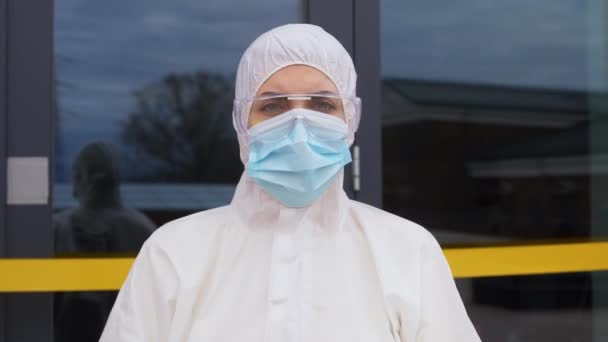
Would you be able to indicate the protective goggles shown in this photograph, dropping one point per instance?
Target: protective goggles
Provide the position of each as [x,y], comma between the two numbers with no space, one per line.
[262,108]
[319,126]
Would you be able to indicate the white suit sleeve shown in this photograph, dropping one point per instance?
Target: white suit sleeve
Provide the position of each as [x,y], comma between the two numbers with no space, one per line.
[443,315]
[144,307]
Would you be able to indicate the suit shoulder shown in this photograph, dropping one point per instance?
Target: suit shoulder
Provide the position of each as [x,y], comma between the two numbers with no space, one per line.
[195,226]
[395,227]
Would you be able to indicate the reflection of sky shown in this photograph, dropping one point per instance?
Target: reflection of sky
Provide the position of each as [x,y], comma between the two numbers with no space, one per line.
[542,43]
[107,49]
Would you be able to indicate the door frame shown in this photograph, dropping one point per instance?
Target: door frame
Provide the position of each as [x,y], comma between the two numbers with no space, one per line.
[357,27]
[26,63]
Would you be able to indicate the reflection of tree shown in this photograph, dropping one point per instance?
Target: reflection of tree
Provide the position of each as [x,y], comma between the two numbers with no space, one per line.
[183,125]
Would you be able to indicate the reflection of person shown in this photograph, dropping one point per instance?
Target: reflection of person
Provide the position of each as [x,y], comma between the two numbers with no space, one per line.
[100,225]
[291,258]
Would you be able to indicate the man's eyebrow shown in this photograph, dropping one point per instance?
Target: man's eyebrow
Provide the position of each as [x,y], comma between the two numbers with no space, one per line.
[268,93]
[320,92]
[325,92]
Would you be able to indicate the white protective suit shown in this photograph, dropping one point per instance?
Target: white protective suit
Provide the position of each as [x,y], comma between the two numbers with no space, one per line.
[255,270]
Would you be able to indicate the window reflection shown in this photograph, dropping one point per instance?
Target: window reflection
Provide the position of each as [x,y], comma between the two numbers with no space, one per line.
[488,163]
[149,84]
[101,225]
[487,118]
[493,124]
[155,79]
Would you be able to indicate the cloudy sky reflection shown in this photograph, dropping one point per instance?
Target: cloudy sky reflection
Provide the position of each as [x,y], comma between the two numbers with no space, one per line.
[107,49]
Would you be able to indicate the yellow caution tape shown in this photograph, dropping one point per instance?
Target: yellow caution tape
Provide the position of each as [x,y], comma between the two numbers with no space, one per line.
[79,274]
[90,274]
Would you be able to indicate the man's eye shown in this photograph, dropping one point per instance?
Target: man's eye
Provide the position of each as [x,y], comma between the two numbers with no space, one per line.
[272,108]
[324,106]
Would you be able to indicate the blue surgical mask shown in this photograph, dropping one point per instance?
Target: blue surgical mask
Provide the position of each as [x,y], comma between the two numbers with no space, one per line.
[296,156]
